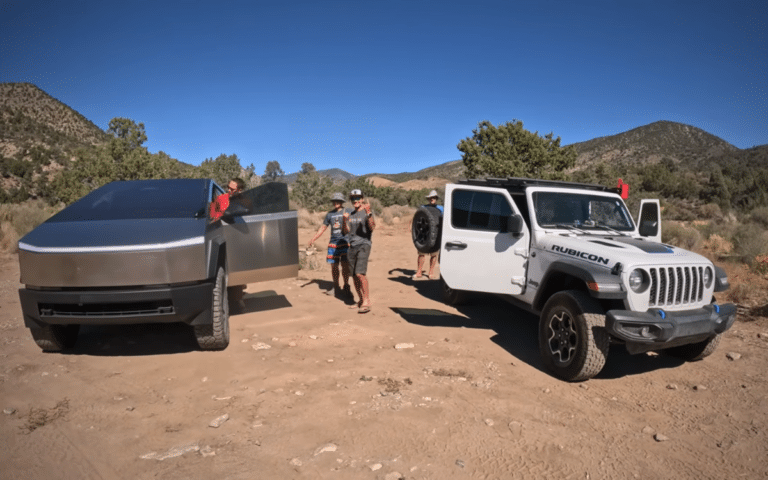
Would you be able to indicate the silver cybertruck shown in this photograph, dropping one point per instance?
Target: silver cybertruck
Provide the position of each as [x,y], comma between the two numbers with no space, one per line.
[147,251]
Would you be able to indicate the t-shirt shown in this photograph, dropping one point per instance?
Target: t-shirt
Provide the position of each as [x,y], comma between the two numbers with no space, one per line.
[334,219]
[219,205]
[439,207]
[359,233]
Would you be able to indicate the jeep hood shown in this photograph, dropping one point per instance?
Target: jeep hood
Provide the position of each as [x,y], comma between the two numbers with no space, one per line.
[607,250]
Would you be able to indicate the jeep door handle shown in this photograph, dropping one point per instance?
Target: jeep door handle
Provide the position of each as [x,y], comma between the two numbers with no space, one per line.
[458,245]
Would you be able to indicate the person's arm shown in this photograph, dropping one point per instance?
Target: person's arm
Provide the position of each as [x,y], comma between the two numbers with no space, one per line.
[317,235]
[369,216]
[345,223]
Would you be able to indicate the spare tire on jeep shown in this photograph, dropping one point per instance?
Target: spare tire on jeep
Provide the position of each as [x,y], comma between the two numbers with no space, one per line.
[426,229]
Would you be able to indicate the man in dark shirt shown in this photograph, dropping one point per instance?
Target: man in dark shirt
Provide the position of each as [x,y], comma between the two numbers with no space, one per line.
[337,247]
[432,198]
[358,226]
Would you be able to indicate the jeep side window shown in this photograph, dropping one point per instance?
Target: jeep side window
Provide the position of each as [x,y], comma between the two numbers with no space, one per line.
[479,211]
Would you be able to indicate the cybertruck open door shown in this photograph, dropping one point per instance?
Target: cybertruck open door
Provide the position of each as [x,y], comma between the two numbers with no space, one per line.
[261,235]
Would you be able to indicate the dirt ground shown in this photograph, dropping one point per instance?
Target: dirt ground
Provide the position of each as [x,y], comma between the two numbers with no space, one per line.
[310,389]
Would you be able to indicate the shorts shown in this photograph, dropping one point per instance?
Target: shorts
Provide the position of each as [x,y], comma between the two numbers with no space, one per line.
[358,258]
[433,254]
[337,253]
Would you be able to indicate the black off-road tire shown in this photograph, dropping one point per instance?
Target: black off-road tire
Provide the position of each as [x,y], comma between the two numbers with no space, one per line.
[695,351]
[426,229]
[216,335]
[453,297]
[55,338]
[573,341]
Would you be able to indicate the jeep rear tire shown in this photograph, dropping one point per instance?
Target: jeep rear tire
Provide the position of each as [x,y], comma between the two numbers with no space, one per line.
[215,336]
[55,338]
[450,296]
[695,351]
[426,229]
[573,341]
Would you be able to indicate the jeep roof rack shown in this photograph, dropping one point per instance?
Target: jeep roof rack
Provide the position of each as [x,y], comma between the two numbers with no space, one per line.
[520,183]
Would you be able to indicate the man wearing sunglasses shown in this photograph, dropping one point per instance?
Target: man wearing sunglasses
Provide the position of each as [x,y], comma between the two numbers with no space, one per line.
[358,226]
[234,187]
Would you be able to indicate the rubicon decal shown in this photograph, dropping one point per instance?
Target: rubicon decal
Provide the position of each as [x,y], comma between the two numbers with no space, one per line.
[585,255]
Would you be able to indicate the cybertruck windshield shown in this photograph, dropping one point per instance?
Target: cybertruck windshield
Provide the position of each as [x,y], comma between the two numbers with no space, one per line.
[140,199]
[582,211]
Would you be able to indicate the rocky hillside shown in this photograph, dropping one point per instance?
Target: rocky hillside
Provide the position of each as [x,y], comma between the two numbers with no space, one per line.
[651,143]
[29,115]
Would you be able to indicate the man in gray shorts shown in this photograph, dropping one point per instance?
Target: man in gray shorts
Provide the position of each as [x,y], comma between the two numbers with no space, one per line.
[358,226]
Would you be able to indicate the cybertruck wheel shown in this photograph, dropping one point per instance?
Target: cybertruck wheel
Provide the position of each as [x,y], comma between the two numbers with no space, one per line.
[572,339]
[216,335]
[55,338]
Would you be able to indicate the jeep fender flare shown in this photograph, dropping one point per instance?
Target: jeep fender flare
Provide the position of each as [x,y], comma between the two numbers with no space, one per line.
[558,269]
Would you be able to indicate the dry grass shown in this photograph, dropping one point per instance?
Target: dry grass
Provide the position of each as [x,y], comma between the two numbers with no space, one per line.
[19,219]
[396,215]
[309,219]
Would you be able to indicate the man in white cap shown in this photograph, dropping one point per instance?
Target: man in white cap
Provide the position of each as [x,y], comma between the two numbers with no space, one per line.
[337,247]
[432,199]
[359,225]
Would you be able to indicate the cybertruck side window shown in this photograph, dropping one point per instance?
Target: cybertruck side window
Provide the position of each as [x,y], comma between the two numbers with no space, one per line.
[472,210]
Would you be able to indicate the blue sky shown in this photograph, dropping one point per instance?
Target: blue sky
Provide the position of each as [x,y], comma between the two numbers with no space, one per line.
[390,86]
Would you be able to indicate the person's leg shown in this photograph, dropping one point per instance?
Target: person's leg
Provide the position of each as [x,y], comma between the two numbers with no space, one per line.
[352,259]
[361,269]
[335,275]
[365,301]
[432,264]
[345,274]
[419,265]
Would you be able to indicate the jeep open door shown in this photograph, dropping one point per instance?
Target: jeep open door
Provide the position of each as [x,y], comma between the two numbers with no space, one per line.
[485,241]
[649,220]
[261,234]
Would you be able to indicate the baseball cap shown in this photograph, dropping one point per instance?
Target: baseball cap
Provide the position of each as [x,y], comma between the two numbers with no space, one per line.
[355,193]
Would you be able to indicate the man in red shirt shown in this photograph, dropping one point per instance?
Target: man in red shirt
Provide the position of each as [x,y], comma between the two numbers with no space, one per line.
[221,203]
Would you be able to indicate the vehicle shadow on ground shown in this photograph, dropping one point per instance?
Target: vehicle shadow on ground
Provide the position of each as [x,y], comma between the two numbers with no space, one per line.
[517,330]
[264,301]
[158,338]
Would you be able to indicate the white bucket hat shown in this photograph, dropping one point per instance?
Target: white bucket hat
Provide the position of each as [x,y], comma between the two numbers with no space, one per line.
[433,193]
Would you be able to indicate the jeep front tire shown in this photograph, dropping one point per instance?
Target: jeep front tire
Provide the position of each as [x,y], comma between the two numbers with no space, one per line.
[573,341]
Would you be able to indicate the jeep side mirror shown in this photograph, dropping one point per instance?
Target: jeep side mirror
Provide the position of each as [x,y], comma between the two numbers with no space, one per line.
[515,225]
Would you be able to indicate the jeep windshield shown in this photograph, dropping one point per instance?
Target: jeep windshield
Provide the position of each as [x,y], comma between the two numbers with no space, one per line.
[572,211]
[140,199]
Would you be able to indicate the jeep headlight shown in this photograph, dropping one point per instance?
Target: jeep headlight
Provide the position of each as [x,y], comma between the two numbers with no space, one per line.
[637,280]
[708,277]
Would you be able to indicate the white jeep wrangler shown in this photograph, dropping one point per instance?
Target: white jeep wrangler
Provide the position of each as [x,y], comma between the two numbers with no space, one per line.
[572,254]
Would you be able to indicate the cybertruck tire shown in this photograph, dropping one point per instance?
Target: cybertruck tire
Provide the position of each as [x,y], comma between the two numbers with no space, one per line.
[216,335]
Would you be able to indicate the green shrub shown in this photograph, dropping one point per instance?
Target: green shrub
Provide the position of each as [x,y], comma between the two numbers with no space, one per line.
[749,241]
[675,233]
[760,216]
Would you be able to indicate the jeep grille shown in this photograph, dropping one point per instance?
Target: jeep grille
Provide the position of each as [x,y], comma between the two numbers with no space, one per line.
[671,286]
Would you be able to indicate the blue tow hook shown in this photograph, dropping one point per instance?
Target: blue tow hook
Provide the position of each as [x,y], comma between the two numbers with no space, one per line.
[662,314]
[717,307]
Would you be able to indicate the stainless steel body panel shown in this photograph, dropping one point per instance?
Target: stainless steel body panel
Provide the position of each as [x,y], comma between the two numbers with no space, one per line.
[262,247]
[114,269]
